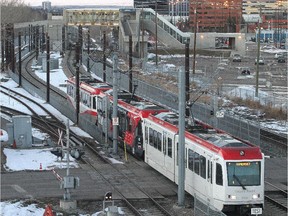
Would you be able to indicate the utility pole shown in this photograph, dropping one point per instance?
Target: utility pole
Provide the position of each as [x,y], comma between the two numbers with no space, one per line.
[181,135]
[115,103]
[77,82]
[104,56]
[12,49]
[80,41]
[258,54]
[37,41]
[156,35]
[194,44]
[63,40]
[2,47]
[187,70]
[48,68]
[19,59]
[130,64]
[88,51]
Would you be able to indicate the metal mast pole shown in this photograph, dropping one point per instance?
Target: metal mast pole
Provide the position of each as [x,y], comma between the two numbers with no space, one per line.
[258,55]
[19,59]
[104,56]
[115,103]
[63,40]
[187,81]
[88,51]
[77,82]
[48,68]
[181,134]
[194,45]
[156,36]
[2,47]
[67,195]
[130,64]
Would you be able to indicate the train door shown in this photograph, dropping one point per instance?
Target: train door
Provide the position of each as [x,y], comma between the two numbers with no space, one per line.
[209,194]
[168,162]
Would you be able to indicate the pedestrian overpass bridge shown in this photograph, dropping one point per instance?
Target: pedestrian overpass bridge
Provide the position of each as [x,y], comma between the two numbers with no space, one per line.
[134,22]
[131,22]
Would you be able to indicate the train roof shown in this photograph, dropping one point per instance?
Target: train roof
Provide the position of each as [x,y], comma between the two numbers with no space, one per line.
[205,135]
[91,85]
[135,101]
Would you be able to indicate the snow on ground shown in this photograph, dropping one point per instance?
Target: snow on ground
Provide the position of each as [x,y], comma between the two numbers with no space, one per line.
[19,208]
[35,159]
[16,208]
[30,159]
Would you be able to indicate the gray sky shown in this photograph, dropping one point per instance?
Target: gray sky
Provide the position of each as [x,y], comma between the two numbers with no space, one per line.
[82,2]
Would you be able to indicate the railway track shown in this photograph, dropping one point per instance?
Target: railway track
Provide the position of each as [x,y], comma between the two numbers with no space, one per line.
[115,180]
[275,200]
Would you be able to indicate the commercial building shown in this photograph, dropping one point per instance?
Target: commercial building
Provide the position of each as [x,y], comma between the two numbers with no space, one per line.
[216,15]
[227,15]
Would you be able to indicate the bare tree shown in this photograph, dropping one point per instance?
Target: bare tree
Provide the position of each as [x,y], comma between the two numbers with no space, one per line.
[16,11]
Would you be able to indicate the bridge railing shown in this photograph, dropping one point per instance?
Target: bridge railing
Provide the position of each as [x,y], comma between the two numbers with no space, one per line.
[168,27]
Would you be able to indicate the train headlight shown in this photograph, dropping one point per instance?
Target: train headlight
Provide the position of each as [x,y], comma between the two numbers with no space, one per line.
[256,196]
[233,197]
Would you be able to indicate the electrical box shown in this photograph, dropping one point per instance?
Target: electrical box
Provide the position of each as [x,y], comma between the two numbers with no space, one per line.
[70,182]
[22,130]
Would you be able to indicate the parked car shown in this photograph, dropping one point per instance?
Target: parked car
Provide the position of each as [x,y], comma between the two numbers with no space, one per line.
[236,58]
[277,55]
[245,71]
[281,59]
[261,61]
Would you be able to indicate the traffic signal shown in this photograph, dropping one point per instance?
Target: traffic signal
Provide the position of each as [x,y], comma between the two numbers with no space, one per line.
[108,196]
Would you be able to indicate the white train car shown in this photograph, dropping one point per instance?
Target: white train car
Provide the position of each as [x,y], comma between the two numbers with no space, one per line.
[89,92]
[225,172]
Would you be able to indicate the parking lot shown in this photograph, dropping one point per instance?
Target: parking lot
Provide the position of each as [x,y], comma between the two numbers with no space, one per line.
[272,75]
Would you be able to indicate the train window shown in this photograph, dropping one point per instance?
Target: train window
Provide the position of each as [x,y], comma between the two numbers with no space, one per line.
[209,171]
[164,143]
[185,157]
[219,174]
[170,147]
[146,134]
[244,173]
[196,163]
[155,138]
[190,159]
[203,166]
[94,103]
[177,147]
[99,104]
[150,136]
[211,165]
[159,141]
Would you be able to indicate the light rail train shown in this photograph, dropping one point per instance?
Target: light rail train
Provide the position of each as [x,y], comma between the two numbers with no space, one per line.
[222,170]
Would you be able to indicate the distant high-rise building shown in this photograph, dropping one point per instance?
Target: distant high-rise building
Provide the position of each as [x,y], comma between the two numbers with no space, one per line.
[46,5]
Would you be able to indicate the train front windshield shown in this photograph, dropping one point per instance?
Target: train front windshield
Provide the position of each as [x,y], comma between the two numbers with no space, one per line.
[244,173]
